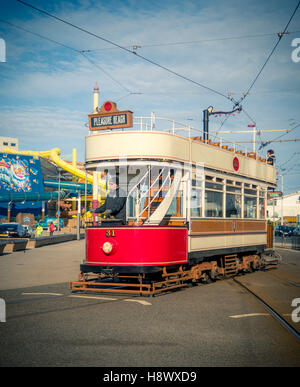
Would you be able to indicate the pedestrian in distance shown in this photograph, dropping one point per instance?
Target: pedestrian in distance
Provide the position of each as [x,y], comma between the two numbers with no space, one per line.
[271,157]
[51,228]
[39,230]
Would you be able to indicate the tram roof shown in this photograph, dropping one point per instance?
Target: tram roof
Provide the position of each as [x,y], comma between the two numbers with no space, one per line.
[175,142]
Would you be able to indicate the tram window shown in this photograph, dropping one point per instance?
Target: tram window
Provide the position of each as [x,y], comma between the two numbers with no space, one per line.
[262,208]
[213,204]
[233,205]
[173,207]
[130,206]
[176,206]
[238,183]
[214,186]
[233,189]
[249,207]
[250,192]
[196,200]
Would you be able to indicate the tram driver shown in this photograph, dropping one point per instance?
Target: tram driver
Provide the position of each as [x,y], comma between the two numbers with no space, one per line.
[114,206]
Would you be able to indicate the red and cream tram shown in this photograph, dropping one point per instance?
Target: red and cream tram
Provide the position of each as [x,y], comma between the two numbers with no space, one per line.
[195,209]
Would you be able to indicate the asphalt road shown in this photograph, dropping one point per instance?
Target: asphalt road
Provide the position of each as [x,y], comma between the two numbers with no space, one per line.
[218,324]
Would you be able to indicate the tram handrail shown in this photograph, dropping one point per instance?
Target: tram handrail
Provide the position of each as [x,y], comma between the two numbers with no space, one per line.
[154,197]
[139,199]
[140,121]
[163,207]
[133,188]
[152,124]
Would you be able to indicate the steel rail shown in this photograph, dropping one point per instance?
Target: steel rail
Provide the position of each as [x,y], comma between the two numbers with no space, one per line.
[273,312]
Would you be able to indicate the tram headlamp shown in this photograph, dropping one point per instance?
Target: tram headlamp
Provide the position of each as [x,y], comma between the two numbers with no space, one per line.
[107,248]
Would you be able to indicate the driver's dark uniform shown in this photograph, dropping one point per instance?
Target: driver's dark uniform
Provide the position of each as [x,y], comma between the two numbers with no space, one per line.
[116,202]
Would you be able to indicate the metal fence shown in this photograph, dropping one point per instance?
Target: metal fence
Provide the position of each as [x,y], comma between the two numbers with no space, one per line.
[289,242]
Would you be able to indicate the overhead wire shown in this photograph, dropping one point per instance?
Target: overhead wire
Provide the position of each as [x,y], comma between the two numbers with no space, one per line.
[245,94]
[124,49]
[236,103]
[275,139]
[70,48]
[101,68]
[193,41]
[39,35]
[161,66]
[280,35]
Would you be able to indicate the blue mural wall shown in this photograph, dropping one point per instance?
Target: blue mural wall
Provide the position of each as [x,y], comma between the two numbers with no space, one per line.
[20,173]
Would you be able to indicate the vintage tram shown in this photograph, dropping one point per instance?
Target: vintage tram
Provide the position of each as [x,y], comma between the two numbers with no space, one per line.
[195,209]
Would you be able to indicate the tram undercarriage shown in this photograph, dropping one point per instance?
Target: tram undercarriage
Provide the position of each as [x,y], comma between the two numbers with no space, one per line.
[150,284]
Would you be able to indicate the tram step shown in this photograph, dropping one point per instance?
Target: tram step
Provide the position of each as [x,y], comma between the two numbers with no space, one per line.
[230,265]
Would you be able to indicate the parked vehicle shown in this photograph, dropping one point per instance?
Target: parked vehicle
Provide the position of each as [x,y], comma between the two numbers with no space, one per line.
[284,230]
[29,231]
[12,230]
[296,231]
[46,221]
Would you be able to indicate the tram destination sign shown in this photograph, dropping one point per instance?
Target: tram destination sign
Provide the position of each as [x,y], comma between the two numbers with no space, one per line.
[103,121]
[109,117]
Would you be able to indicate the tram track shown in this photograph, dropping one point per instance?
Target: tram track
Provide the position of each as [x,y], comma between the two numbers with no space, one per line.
[272,310]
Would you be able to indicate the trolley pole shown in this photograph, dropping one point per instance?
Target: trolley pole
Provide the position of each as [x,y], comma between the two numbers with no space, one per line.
[58,203]
[205,124]
[208,112]
[281,199]
[78,215]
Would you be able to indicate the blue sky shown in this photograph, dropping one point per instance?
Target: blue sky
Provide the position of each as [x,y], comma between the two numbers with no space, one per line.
[46,89]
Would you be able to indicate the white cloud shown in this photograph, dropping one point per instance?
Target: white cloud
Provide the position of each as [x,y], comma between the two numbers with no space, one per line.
[43,128]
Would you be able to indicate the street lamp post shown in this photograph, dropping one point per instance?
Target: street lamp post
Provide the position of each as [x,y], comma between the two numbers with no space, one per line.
[281,210]
[281,199]
[58,199]
[58,204]
[78,215]
[254,135]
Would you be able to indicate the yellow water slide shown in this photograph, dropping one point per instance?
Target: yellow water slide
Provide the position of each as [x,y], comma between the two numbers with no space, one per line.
[53,154]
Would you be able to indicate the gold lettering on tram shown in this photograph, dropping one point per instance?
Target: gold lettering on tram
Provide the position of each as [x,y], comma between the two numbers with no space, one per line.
[110,233]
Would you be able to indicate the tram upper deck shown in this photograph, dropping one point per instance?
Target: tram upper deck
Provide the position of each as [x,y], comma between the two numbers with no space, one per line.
[148,142]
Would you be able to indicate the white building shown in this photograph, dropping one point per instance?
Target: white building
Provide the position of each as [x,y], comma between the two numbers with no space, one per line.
[286,208]
[9,141]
